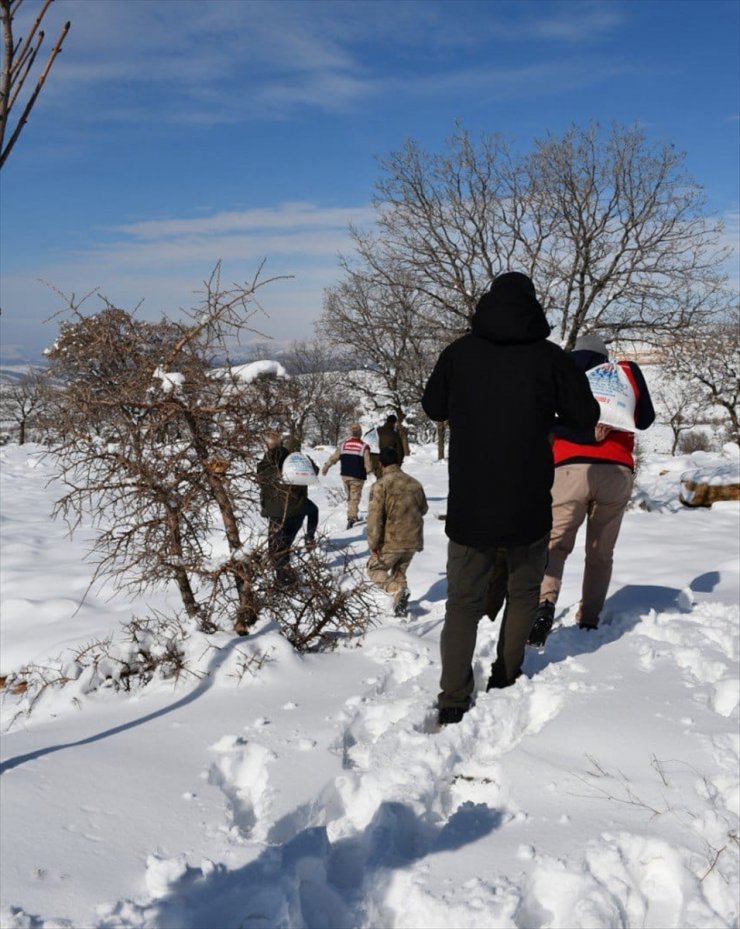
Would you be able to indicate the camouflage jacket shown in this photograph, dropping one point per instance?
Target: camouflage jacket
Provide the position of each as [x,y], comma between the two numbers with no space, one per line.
[395,516]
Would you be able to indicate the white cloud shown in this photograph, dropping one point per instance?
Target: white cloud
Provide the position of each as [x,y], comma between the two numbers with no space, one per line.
[578,23]
[230,61]
[164,262]
[287,216]
[509,83]
[294,233]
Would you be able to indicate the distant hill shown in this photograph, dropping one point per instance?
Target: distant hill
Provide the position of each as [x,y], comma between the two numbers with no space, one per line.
[11,373]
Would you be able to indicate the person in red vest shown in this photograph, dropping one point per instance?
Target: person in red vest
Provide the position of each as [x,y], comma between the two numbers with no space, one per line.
[594,473]
[354,455]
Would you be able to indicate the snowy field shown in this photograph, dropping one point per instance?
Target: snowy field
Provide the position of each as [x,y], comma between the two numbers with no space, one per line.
[599,791]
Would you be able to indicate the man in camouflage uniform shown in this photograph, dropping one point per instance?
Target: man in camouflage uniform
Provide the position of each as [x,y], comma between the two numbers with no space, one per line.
[395,528]
[354,455]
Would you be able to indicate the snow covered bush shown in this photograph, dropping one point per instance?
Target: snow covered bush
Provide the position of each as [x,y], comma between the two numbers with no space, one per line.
[160,436]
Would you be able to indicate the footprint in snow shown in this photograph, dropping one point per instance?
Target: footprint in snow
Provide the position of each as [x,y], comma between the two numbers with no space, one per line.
[241,772]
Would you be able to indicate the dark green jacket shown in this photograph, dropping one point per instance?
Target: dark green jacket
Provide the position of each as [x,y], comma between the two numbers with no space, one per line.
[278,500]
[388,437]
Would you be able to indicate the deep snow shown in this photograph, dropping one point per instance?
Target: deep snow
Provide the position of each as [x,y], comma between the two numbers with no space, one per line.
[602,790]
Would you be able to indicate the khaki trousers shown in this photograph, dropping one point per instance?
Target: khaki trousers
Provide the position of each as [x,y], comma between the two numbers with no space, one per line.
[599,494]
[353,488]
[388,570]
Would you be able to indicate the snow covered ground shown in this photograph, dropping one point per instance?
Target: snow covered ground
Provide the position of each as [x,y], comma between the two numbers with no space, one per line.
[602,790]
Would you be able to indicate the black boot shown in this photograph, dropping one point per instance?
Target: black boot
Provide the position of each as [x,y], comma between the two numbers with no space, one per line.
[448,715]
[401,606]
[543,620]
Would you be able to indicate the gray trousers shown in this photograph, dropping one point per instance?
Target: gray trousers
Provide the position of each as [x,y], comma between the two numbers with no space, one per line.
[470,576]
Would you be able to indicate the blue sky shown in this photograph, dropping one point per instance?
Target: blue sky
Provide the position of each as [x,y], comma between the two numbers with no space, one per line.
[174,133]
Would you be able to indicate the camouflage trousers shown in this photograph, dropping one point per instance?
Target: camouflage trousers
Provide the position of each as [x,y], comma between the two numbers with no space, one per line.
[353,488]
[388,570]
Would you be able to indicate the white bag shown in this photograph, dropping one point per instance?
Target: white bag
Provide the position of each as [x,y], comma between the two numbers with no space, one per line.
[298,471]
[612,388]
[371,437]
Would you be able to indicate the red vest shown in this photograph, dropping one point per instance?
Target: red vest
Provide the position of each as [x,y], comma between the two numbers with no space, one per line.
[616,448]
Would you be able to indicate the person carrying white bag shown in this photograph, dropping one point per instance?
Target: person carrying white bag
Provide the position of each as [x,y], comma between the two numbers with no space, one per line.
[283,480]
[300,470]
[594,475]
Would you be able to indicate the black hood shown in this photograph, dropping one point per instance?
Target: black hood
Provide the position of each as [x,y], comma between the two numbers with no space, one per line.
[510,312]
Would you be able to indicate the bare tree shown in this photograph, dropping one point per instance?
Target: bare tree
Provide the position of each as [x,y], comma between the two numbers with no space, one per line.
[160,450]
[379,317]
[709,359]
[312,367]
[678,400]
[23,402]
[339,409]
[609,226]
[19,57]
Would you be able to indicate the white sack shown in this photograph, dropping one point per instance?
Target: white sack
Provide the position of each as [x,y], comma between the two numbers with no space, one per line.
[612,388]
[298,470]
[371,437]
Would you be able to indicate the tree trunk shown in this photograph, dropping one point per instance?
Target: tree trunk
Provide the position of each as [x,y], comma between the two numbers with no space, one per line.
[404,436]
[245,613]
[732,411]
[441,430]
[181,575]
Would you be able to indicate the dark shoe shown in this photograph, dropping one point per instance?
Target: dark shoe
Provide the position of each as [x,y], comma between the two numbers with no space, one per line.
[450,714]
[350,523]
[310,544]
[583,624]
[586,622]
[285,578]
[543,620]
[401,606]
[241,628]
[495,682]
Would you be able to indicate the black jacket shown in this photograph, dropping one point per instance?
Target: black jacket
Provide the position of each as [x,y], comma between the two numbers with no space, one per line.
[501,387]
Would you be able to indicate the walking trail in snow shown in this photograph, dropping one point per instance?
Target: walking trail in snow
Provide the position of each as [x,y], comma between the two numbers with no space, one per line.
[601,790]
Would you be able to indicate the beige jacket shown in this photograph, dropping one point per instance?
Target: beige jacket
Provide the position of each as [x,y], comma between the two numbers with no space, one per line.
[395,516]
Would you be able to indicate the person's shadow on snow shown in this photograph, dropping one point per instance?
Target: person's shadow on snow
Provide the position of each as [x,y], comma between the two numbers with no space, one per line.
[622,612]
[309,880]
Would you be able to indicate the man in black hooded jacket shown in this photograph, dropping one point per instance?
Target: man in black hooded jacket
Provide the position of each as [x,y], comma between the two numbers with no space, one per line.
[500,387]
